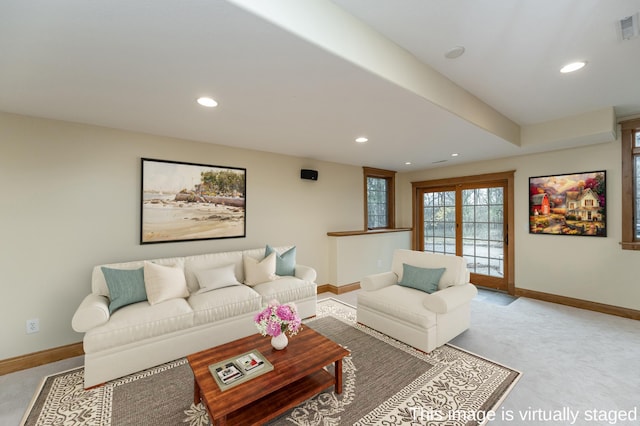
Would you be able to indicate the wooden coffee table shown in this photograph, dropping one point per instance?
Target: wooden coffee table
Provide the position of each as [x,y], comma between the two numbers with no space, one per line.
[298,374]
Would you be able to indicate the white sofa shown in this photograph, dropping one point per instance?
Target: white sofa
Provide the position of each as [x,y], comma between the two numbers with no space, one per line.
[420,319]
[141,335]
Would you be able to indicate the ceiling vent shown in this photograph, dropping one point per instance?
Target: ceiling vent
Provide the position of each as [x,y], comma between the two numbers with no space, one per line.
[629,27]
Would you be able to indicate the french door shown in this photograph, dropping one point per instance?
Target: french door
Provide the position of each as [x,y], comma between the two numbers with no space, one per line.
[469,218]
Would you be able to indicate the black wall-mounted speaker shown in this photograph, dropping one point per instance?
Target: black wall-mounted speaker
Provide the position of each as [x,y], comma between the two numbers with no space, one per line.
[309,174]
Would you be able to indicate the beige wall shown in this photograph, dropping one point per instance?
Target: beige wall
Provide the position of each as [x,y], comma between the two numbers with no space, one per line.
[587,268]
[70,194]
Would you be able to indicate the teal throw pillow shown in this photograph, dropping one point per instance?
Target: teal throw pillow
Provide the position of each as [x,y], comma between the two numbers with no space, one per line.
[126,286]
[285,262]
[423,279]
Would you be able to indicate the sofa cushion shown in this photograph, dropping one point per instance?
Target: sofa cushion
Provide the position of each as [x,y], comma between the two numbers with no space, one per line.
[224,303]
[259,271]
[285,261]
[423,279]
[211,260]
[214,278]
[137,322]
[164,283]
[286,289]
[401,303]
[126,286]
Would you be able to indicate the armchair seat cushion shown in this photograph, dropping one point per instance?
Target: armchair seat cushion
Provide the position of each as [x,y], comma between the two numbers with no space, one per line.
[402,303]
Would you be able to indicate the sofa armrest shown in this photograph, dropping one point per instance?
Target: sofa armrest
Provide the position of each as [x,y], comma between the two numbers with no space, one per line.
[306,273]
[92,312]
[448,299]
[378,281]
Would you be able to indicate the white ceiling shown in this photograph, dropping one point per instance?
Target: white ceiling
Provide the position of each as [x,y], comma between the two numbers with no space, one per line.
[140,65]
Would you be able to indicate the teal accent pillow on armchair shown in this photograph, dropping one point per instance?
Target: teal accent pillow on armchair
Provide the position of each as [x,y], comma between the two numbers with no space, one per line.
[285,262]
[423,279]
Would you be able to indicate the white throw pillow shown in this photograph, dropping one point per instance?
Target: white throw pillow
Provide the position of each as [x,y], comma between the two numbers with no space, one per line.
[211,279]
[259,271]
[164,283]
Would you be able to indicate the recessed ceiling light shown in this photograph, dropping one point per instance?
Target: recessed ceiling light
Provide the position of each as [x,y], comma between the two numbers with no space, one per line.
[362,139]
[454,52]
[207,102]
[574,66]
[407,163]
[455,154]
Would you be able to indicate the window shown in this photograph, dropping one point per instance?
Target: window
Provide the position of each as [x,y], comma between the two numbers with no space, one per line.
[377,202]
[631,184]
[379,198]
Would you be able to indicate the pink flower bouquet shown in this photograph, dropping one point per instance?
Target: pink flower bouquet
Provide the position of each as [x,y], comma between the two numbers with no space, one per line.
[276,319]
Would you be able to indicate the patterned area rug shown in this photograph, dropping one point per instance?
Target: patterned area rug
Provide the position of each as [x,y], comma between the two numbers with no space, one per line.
[385,382]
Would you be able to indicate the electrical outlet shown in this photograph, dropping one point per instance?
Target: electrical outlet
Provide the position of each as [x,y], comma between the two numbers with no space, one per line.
[33,325]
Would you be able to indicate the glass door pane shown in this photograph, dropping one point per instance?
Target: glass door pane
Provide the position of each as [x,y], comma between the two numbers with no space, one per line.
[483,230]
[439,221]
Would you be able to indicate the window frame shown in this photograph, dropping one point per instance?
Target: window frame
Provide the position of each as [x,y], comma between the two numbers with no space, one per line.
[389,176]
[629,129]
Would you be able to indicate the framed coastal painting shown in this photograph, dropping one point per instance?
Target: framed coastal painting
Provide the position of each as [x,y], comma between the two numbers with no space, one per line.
[569,204]
[187,201]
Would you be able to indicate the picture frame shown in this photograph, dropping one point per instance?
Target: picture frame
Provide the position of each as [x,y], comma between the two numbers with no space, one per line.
[182,201]
[568,204]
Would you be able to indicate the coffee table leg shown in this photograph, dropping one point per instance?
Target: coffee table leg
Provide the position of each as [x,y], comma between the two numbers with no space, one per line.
[338,374]
[196,393]
[222,421]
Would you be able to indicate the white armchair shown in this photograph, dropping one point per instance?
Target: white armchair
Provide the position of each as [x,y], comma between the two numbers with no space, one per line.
[420,319]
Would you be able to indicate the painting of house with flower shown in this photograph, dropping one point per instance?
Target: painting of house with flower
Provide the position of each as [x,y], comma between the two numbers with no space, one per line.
[571,204]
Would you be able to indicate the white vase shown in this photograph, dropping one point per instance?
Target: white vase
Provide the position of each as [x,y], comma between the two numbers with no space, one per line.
[279,342]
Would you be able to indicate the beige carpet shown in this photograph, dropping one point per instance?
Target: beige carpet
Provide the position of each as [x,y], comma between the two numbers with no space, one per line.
[385,382]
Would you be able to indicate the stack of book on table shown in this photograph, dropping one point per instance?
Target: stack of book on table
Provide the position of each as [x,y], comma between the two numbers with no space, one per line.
[233,371]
